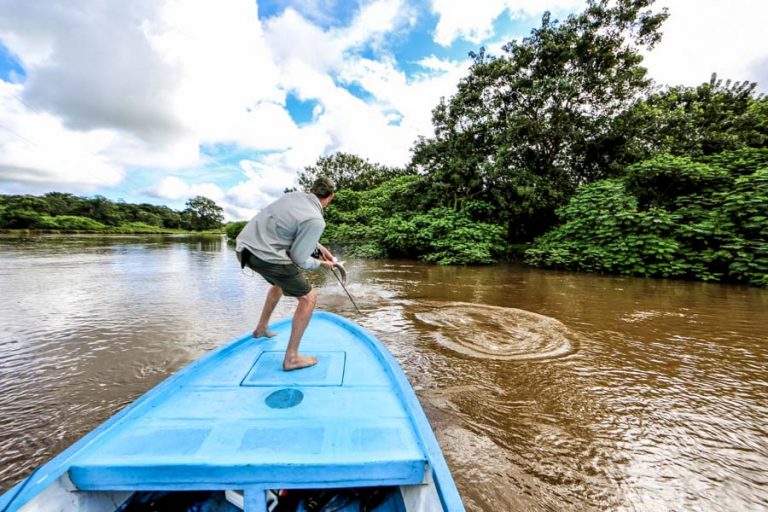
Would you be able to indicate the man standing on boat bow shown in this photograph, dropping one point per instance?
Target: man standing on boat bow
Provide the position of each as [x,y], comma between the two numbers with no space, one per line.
[277,244]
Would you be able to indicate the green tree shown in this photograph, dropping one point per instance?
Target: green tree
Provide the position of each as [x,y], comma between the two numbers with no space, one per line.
[203,213]
[349,172]
[16,218]
[104,211]
[713,117]
[149,217]
[26,202]
[232,229]
[60,203]
[669,217]
[525,128]
[171,218]
[386,221]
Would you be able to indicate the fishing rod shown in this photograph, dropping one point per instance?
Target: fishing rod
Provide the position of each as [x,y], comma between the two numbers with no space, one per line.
[336,264]
[344,273]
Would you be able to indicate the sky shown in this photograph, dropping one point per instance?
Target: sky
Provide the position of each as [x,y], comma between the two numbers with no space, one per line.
[157,101]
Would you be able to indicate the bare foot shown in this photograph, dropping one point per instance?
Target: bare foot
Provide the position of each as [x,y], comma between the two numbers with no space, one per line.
[298,361]
[263,333]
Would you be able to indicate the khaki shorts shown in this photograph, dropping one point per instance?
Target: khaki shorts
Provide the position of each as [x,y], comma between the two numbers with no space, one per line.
[286,277]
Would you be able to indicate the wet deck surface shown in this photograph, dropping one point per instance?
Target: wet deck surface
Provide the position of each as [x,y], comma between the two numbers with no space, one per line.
[239,419]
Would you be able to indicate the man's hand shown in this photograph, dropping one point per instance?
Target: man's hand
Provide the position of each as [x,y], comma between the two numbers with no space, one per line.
[325,254]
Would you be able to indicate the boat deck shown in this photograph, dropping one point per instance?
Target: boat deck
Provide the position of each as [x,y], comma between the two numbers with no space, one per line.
[235,419]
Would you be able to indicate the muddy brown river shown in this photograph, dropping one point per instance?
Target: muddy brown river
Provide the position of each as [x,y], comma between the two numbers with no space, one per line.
[547,390]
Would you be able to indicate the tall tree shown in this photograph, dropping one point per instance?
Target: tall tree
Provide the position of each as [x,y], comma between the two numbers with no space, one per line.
[203,213]
[104,211]
[525,128]
[698,121]
[349,172]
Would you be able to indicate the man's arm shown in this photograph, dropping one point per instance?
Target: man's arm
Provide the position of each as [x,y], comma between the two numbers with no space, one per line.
[305,243]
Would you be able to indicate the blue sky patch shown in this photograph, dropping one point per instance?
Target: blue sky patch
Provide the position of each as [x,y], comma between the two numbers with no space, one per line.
[395,118]
[358,91]
[301,111]
[326,14]
[10,68]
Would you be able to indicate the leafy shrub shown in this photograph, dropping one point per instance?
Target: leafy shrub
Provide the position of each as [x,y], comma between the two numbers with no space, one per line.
[661,180]
[380,222]
[446,237]
[605,232]
[746,207]
[232,229]
[703,221]
[75,223]
[741,162]
[20,219]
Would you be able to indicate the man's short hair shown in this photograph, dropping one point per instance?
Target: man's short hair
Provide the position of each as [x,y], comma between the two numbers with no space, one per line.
[323,187]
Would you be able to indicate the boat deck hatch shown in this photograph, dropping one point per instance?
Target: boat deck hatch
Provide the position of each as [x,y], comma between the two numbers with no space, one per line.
[268,371]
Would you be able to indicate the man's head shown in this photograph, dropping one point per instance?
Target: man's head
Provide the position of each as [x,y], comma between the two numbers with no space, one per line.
[323,187]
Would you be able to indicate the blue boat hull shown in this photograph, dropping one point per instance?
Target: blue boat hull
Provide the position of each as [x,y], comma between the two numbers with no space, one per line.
[234,421]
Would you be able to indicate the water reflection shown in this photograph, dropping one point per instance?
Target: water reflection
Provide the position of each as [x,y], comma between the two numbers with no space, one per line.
[547,390]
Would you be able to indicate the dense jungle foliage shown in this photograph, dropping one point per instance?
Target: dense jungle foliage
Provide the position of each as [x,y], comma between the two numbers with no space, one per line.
[563,145]
[58,211]
[669,216]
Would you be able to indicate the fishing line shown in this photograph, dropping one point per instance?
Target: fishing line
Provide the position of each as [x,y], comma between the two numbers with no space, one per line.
[332,271]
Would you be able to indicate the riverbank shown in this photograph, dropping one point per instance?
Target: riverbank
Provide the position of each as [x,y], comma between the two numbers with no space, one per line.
[110,231]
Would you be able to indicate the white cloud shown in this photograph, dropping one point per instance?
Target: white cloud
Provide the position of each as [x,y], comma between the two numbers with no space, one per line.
[224,65]
[125,84]
[67,158]
[292,37]
[148,82]
[473,21]
[317,65]
[99,71]
[374,20]
[173,187]
[702,38]
[412,98]
[264,182]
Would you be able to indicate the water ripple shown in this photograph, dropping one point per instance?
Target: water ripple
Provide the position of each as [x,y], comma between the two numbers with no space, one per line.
[492,332]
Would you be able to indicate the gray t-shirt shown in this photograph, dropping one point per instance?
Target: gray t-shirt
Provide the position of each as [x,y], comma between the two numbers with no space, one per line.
[287,231]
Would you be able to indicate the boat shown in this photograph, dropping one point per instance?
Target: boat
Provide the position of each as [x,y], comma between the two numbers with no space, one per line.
[233,431]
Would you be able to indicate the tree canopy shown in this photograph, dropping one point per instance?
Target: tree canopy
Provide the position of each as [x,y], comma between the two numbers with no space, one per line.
[348,172]
[203,213]
[669,216]
[67,212]
[529,126]
[710,118]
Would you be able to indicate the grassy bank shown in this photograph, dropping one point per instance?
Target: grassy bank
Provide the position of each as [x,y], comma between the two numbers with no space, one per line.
[131,229]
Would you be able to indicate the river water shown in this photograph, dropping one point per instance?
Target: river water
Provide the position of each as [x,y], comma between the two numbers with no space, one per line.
[547,390]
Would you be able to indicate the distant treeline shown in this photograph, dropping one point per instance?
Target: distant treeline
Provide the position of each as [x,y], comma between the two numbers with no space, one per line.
[57,211]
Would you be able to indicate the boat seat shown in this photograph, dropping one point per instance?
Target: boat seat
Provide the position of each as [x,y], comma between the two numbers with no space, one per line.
[268,456]
[273,476]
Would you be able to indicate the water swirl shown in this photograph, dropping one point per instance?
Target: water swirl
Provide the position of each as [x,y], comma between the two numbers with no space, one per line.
[493,332]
